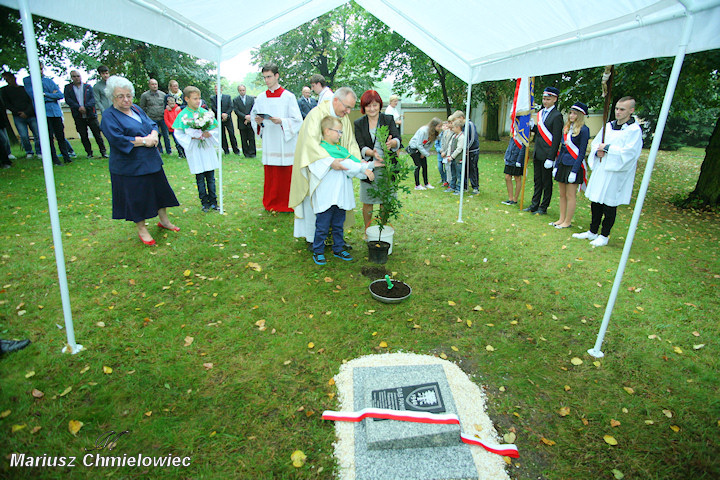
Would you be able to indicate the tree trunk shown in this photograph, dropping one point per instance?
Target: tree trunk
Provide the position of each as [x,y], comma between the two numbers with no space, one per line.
[707,189]
[442,73]
[491,132]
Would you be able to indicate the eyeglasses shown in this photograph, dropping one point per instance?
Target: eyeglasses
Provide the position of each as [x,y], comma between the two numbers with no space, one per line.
[339,132]
[348,107]
[123,96]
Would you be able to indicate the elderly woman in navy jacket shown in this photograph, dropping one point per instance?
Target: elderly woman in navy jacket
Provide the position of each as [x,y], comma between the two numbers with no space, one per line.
[569,170]
[140,189]
[370,147]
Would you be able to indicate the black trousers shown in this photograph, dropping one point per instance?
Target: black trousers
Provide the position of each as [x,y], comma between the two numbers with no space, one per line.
[471,171]
[82,125]
[227,126]
[57,130]
[420,164]
[598,211]
[247,139]
[542,192]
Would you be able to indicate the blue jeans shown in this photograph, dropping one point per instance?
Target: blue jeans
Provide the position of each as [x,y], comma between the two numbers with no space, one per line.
[163,130]
[456,172]
[332,217]
[21,125]
[207,196]
[441,169]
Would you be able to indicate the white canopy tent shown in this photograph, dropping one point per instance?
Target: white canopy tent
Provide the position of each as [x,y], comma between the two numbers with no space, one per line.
[489,41]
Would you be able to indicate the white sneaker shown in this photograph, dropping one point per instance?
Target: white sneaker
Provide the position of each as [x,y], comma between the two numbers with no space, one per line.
[29,155]
[585,235]
[429,187]
[600,241]
[420,187]
[12,157]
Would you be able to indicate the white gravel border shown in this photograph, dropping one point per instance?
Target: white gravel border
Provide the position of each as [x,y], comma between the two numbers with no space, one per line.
[469,401]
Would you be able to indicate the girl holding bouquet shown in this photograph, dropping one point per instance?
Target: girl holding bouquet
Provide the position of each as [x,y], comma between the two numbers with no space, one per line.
[196,129]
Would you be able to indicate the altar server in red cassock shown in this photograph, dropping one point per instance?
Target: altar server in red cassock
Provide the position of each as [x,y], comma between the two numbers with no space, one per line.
[277,119]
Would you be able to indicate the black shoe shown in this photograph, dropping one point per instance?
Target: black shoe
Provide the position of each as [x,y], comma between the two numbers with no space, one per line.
[205,208]
[89,155]
[9,346]
[540,211]
[531,209]
[67,160]
[226,152]
[237,152]
[214,207]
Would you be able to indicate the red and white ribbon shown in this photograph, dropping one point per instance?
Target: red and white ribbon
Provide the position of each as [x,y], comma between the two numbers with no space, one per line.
[544,132]
[572,149]
[509,450]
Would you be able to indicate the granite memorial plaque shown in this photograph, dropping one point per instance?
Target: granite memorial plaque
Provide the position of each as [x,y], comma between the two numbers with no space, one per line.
[416,398]
[393,449]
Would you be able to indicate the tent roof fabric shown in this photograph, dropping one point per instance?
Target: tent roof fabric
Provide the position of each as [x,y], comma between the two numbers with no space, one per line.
[489,40]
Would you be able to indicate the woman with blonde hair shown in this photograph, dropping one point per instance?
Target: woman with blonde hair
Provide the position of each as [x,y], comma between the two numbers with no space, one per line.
[419,150]
[569,170]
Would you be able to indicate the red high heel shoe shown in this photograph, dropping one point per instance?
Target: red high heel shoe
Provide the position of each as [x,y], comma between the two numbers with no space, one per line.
[151,242]
[174,229]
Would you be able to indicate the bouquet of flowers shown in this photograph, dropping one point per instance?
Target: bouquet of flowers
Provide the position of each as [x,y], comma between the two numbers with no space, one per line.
[200,123]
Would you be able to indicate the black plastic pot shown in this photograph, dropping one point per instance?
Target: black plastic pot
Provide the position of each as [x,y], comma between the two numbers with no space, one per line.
[378,251]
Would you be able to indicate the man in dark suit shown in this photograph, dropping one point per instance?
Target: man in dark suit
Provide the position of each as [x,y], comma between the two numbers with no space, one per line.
[80,98]
[305,102]
[227,123]
[548,133]
[242,104]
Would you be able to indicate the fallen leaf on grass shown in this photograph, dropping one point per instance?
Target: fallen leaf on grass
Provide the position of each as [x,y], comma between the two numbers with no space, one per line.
[186,273]
[4,413]
[331,382]
[298,458]
[311,345]
[261,325]
[188,341]
[37,393]
[107,370]
[254,266]
[649,422]
[74,426]
[509,437]
[677,350]
[100,324]
[478,308]
[16,428]
[614,423]
[65,392]
[585,421]
[576,361]
[148,413]
[667,413]
[454,348]
[547,442]
[451,303]
[610,440]
[468,323]
[328,280]
[697,334]
[699,346]
[564,411]
[617,474]
[443,356]
[528,306]
[30,374]
[629,390]
[674,428]
[208,365]
[35,429]
[567,388]
[489,348]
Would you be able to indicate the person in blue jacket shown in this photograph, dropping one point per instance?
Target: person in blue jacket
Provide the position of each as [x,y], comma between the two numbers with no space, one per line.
[569,169]
[140,189]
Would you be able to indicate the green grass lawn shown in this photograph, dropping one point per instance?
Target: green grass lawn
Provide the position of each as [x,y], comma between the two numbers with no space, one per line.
[208,334]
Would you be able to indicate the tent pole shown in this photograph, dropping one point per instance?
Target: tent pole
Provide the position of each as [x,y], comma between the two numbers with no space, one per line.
[465,156]
[39,99]
[667,101]
[218,103]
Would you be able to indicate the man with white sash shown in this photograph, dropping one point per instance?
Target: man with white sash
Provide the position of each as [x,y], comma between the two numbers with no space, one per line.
[613,163]
[275,116]
[548,134]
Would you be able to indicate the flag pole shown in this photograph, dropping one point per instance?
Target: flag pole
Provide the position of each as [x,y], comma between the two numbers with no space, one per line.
[531,84]
[607,81]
